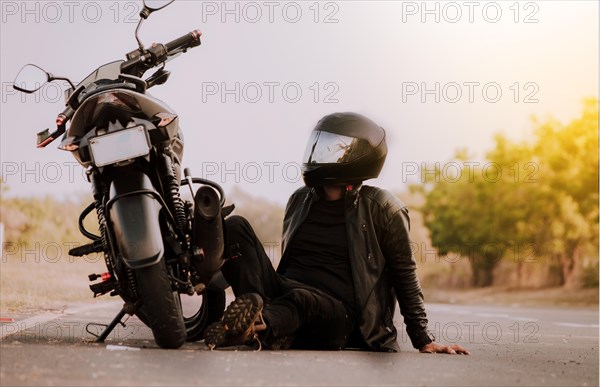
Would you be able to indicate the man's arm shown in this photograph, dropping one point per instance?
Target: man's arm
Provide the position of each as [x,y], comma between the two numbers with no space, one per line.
[403,271]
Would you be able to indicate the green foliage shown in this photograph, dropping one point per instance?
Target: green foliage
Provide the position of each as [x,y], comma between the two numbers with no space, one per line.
[461,220]
[542,193]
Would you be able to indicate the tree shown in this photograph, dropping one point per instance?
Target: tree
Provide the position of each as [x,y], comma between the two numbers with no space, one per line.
[568,193]
[463,216]
[543,192]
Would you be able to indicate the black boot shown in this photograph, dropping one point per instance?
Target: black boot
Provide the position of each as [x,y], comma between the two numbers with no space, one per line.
[241,322]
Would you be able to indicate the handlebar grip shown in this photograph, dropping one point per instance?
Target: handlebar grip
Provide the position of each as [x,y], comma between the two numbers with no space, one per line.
[188,40]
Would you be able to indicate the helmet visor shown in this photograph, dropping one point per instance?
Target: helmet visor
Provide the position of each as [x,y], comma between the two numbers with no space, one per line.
[327,148]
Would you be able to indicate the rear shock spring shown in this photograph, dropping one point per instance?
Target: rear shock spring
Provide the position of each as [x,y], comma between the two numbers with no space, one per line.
[174,196]
[102,226]
[179,205]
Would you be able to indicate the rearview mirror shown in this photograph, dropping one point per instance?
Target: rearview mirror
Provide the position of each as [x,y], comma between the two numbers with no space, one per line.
[155,5]
[149,7]
[30,79]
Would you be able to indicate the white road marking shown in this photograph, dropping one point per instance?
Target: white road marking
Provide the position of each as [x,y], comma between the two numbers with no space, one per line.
[492,315]
[18,326]
[121,348]
[525,319]
[574,325]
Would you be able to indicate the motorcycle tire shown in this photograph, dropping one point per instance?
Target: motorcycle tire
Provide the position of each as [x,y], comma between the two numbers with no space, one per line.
[213,305]
[159,307]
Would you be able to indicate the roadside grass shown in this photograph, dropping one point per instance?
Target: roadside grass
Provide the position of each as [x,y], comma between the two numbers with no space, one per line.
[30,285]
[548,297]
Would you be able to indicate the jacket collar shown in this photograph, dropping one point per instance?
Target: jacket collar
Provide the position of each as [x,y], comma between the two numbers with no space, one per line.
[351,195]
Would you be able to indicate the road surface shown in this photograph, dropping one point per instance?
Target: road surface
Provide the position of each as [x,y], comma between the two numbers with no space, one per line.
[509,346]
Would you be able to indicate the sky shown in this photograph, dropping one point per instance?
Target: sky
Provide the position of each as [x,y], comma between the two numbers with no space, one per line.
[438,76]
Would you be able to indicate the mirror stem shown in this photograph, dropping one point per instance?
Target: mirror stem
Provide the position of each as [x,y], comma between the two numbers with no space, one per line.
[137,37]
[52,78]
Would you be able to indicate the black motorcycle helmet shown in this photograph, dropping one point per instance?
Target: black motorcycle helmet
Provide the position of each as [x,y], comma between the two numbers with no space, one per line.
[344,148]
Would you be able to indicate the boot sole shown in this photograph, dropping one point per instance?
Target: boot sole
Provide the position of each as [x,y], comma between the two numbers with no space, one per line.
[238,319]
[242,313]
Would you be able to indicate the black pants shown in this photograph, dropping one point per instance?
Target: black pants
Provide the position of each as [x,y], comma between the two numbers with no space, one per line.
[311,318]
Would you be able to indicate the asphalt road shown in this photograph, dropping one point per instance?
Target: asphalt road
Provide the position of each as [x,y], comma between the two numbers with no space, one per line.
[509,346]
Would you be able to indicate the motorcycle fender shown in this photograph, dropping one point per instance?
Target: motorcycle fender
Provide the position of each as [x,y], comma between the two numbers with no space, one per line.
[134,215]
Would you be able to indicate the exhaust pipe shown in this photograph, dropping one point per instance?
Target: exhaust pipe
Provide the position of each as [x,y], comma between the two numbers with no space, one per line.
[207,233]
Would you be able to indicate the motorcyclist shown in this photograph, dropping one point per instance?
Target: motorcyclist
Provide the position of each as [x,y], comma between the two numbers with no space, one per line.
[346,257]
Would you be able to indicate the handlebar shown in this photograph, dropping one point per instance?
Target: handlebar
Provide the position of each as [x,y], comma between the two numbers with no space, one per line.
[184,42]
[138,62]
[136,65]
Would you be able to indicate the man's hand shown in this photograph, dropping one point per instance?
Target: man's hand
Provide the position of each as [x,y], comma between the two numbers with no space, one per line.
[434,347]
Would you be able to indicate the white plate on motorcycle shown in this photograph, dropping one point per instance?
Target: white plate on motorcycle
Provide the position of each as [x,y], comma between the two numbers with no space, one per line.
[119,146]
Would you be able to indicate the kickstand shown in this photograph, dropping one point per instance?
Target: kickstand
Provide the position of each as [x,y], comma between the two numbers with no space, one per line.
[126,309]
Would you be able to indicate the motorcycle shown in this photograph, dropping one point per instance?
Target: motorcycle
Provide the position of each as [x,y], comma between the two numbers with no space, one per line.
[156,245]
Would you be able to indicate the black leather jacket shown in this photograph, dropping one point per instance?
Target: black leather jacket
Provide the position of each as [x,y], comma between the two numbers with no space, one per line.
[383,267]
